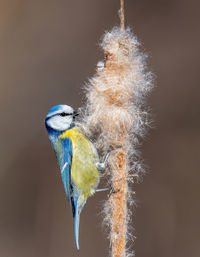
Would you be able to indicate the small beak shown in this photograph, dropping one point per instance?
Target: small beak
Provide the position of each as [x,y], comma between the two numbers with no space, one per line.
[75,113]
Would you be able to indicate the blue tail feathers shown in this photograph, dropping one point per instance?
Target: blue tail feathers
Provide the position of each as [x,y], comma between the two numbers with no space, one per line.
[76,226]
[79,202]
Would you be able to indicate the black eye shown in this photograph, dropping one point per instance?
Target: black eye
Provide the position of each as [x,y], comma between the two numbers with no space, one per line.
[63,114]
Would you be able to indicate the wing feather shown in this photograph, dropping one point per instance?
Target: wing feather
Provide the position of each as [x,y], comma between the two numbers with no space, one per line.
[66,171]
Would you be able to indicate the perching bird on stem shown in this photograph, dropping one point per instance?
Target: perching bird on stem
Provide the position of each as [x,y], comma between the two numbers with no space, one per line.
[77,158]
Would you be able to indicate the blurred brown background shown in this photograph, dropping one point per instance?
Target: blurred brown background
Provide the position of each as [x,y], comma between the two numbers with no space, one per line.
[48,49]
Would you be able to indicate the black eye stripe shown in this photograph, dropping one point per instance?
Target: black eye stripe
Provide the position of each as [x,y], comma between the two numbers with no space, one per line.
[63,114]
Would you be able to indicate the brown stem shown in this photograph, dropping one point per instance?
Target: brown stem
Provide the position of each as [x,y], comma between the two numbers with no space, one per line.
[119,207]
[122,22]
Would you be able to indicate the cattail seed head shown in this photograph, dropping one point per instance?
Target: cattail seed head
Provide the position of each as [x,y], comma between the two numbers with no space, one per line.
[115,110]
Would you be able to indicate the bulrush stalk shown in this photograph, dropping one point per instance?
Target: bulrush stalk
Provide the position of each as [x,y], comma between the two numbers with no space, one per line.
[115,111]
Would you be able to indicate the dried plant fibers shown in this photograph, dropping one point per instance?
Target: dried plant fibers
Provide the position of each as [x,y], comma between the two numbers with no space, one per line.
[115,111]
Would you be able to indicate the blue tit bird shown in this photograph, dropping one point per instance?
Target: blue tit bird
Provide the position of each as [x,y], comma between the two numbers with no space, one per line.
[77,158]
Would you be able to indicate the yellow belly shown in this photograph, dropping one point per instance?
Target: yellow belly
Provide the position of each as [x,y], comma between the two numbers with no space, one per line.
[84,174]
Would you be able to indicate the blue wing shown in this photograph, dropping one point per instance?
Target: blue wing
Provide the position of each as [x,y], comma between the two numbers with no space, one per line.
[66,171]
[66,178]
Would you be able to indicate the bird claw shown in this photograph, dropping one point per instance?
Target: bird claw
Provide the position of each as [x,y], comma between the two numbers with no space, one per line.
[111,147]
[113,191]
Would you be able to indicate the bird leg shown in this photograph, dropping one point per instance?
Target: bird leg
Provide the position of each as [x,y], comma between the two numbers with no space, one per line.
[103,189]
[112,190]
[102,165]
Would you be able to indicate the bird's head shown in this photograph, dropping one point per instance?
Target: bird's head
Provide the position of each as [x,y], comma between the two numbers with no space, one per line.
[60,117]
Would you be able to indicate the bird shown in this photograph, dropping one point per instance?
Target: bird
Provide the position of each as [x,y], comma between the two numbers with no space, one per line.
[77,158]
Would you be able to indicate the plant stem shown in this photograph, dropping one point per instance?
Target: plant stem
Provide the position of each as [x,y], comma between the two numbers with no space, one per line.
[115,112]
[119,206]
[122,22]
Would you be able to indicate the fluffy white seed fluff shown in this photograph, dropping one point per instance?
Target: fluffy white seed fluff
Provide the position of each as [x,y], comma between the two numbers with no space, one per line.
[115,112]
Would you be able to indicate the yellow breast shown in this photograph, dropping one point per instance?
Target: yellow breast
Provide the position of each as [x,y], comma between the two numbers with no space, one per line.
[84,174]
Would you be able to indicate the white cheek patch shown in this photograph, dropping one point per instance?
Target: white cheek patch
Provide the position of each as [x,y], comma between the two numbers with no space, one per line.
[60,123]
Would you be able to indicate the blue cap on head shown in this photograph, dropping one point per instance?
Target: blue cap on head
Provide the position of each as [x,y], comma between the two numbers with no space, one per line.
[60,108]
[55,109]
